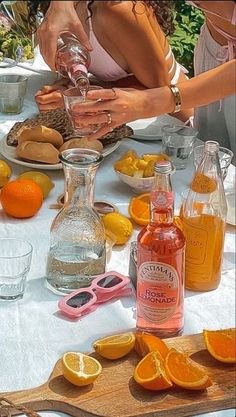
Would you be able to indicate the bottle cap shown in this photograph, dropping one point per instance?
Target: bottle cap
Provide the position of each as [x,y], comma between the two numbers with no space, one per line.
[212,146]
[163,167]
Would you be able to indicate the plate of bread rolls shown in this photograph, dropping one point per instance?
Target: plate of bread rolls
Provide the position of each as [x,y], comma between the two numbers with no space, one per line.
[40,146]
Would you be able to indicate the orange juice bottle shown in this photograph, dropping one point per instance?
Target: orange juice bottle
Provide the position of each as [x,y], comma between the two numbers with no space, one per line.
[203,214]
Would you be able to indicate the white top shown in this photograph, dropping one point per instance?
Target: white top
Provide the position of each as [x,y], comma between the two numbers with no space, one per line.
[33,337]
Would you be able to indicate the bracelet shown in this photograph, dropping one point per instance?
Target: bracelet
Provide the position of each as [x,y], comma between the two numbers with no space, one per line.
[175,91]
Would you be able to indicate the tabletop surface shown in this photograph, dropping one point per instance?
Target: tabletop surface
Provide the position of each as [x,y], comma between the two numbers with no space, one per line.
[33,336]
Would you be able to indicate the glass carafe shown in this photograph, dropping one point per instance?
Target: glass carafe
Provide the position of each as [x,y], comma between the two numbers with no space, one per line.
[203,214]
[77,242]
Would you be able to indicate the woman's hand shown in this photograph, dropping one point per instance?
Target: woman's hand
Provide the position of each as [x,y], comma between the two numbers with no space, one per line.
[60,17]
[50,97]
[114,107]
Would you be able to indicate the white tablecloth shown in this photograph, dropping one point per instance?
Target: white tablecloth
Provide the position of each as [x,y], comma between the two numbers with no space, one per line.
[32,335]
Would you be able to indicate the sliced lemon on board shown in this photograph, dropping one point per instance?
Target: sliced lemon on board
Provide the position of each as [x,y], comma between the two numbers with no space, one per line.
[115,347]
[80,369]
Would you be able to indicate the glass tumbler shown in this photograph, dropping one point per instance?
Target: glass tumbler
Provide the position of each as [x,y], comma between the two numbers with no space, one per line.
[177,143]
[15,260]
[12,93]
[72,97]
[77,242]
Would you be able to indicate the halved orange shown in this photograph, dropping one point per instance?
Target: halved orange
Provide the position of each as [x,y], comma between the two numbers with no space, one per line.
[115,347]
[186,373]
[80,369]
[146,342]
[139,209]
[150,373]
[221,344]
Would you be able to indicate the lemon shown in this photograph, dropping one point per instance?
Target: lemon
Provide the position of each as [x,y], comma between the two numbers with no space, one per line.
[41,179]
[5,172]
[119,225]
[80,369]
[115,347]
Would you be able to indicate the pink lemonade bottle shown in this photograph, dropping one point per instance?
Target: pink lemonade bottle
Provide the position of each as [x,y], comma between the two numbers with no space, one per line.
[72,60]
[160,263]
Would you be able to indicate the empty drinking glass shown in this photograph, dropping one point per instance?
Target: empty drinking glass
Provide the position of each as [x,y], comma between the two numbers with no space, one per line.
[177,143]
[225,158]
[12,93]
[15,260]
[72,97]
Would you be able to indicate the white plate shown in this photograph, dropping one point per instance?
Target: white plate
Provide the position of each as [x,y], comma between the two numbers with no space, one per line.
[9,152]
[151,129]
[231,215]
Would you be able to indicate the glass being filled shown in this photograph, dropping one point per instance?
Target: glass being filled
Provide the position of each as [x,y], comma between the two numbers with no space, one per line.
[72,98]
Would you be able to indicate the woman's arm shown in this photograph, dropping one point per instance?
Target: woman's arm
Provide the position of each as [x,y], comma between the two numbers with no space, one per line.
[60,17]
[127,105]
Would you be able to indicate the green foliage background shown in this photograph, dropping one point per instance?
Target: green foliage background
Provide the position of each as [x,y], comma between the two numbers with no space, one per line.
[188,22]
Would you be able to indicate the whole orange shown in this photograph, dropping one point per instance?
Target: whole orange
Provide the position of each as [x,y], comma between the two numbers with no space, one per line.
[21,198]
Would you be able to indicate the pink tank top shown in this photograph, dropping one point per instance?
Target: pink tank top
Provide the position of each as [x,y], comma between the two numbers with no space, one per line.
[106,68]
[102,64]
[231,40]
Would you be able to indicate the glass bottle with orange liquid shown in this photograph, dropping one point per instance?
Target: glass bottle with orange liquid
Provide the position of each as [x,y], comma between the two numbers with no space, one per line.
[160,263]
[203,214]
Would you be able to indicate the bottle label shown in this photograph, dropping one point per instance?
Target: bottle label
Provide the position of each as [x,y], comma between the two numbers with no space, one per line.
[157,292]
[78,68]
[196,243]
[162,199]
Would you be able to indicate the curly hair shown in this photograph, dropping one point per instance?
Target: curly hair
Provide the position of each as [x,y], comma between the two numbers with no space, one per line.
[163,10]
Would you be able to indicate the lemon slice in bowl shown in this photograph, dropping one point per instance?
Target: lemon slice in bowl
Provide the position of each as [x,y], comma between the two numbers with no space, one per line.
[80,369]
[115,347]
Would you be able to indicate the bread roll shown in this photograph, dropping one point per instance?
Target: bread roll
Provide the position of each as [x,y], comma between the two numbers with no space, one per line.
[38,151]
[41,134]
[96,145]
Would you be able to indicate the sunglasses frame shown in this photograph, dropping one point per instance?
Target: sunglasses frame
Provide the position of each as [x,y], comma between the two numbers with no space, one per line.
[101,296]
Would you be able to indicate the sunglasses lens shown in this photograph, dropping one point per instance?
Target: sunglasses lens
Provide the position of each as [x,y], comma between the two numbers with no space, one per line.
[79,300]
[109,281]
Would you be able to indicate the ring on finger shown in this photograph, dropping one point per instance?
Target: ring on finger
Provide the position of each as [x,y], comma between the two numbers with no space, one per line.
[109,119]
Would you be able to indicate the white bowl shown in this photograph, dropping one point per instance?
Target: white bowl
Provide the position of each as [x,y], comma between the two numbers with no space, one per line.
[138,185]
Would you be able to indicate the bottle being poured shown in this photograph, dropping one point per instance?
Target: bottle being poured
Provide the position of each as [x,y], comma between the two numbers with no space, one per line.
[72,60]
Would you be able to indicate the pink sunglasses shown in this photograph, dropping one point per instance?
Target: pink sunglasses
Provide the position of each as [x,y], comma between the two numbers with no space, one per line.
[103,288]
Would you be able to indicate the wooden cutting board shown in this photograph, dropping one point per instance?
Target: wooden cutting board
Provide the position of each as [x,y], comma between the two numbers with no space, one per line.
[116,394]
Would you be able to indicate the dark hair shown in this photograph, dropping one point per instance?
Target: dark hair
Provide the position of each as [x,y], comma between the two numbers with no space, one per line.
[163,10]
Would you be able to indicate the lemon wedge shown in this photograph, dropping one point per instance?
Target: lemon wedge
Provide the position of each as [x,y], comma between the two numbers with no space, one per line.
[115,347]
[80,369]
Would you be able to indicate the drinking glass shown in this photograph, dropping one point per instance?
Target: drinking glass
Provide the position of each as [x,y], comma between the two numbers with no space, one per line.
[177,143]
[225,157]
[72,97]
[12,93]
[15,260]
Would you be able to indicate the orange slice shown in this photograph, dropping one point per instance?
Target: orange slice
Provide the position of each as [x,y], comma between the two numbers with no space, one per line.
[150,373]
[115,347]
[80,369]
[139,209]
[221,344]
[186,373]
[146,342]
